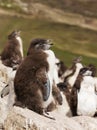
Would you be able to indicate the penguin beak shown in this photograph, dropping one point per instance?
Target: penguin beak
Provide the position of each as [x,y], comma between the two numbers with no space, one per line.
[50,42]
[19,33]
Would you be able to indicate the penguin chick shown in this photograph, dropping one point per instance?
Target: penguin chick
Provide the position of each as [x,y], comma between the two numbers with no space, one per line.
[34,77]
[12,54]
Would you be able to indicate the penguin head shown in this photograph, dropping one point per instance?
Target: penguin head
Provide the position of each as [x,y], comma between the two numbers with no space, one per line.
[92,68]
[85,71]
[41,44]
[14,34]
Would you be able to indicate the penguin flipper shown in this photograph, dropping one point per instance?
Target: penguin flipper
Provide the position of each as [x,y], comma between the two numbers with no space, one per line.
[44,83]
[47,90]
[5,91]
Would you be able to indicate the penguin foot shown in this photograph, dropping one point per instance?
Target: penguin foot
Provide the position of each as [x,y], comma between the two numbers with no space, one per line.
[45,114]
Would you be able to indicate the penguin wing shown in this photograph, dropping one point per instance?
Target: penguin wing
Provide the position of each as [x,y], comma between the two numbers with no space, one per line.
[5,91]
[47,90]
[43,82]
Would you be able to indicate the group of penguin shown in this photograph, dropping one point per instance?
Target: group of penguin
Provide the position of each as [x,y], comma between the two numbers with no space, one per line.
[42,83]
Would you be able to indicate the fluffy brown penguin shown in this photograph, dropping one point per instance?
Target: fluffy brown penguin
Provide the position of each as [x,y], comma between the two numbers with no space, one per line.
[12,54]
[86,91]
[34,78]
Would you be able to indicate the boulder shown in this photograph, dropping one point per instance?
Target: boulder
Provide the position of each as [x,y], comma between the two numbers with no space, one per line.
[21,119]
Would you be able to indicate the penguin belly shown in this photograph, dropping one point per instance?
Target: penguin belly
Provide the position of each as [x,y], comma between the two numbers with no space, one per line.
[86,104]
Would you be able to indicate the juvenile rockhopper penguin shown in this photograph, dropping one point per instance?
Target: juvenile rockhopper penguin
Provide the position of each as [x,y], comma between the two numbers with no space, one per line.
[33,82]
[86,93]
[12,54]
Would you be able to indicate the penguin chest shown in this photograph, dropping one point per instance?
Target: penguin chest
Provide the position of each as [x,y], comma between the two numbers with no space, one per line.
[51,62]
[50,74]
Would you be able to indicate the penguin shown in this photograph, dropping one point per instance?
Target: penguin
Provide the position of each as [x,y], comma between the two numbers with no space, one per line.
[66,95]
[12,53]
[86,97]
[68,88]
[71,78]
[11,57]
[34,80]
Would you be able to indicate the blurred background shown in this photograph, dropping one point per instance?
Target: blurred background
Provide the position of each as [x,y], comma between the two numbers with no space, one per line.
[71,24]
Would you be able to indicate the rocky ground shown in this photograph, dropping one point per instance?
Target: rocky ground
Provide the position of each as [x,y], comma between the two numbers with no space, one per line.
[24,119]
[21,119]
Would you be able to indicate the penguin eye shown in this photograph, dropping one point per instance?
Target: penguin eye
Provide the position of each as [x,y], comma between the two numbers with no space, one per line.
[41,44]
[83,70]
[36,46]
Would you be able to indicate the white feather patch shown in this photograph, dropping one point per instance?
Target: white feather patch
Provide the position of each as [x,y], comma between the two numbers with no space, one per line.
[51,61]
[21,45]
[87,97]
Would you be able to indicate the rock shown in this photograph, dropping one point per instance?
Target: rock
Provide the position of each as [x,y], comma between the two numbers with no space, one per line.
[3,109]
[4,73]
[24,119]
[89,123]
[21,119]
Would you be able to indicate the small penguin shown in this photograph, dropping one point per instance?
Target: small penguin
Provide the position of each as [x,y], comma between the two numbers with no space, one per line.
[12,54]
[68,86]
[33,83]
[86,96]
